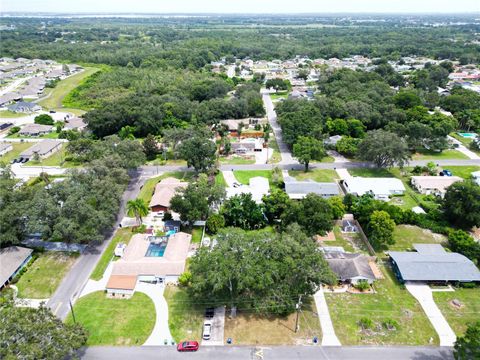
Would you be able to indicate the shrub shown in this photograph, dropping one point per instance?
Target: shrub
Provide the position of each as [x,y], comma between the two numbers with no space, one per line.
[390,324]
[44,119]
[365,323]
[362,286]
[185,279]
[14,130]
[167,216]
[214,223]
[140,229]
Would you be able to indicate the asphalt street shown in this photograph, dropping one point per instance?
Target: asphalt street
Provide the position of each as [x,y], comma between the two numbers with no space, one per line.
[274,353]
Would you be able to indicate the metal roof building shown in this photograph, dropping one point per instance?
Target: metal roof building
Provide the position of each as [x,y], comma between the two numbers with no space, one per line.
[300,189]
[431,263]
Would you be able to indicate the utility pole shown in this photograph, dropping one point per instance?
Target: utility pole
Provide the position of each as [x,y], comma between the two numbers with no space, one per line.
[297,306]
[71,309]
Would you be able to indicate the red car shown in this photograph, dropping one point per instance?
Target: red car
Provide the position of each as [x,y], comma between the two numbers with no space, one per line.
[188,346]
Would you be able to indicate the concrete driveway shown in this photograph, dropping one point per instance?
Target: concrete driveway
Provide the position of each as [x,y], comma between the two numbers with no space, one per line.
[329,337]
[218,328]
[423,294]
[463,149]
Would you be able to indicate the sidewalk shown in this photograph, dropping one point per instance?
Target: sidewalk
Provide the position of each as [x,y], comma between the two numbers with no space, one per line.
[329,338]
[423,294]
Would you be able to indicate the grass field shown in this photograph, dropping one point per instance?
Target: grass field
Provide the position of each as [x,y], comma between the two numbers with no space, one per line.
[316,175]
[464,172]
[391,302]
[445,154]
[237,160]
[276,156]
[407,235]
[146,191]
[458,318]
[10,114]
[185,318]
[220,180]
[127,322]
[18,147]
[251,329]
[54,97]
[197,232]
[370,172]
[279,95]
[44,275]
[121,236]
[51,135]
[244,176]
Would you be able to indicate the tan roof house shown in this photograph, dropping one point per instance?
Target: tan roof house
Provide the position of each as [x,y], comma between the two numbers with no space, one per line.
[164,192]
[434,185]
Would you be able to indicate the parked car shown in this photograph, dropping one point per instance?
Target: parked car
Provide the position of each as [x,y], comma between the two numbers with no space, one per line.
[188,346]
[207,330]
[52,111]
[23,161]
[446,172]
[209,313]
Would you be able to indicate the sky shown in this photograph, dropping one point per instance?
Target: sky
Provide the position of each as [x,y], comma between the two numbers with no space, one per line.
[241,6]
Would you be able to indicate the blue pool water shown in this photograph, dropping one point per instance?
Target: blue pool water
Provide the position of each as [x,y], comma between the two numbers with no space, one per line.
[156,250]
[468,135]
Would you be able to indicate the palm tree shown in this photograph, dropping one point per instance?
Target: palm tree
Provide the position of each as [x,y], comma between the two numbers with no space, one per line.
[137,208]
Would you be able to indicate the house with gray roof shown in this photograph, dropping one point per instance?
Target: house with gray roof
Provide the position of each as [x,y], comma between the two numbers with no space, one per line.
[431,263]
[35,130]
[75,123]
[12,260]
[299,189]
[43,149]
[24,107]
[351,268]
[5,148]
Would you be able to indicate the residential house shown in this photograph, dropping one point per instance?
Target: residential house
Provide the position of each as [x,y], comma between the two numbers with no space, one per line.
[433,185]
[149,259]
[332,140]
[172,225]
[24,107]
[35,130]
[75,123]
[164,192]
[300,189]
[351,268]
[380,188]
[5,148]
[247,146]
[42,149]
[431,263]
[12,260]
[5,125]
[258,186]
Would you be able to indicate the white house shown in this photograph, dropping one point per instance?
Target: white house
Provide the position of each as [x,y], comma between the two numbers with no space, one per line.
[433,185]
[381,188]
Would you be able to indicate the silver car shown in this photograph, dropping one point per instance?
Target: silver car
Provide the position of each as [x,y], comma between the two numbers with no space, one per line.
[207,330]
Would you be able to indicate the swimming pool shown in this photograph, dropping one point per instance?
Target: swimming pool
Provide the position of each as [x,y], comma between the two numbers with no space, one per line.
[156,250]
[468,135]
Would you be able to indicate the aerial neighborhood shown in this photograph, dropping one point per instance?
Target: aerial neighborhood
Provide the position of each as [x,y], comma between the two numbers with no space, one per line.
[236,184]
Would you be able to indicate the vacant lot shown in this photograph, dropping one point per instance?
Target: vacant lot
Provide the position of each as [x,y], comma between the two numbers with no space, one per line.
[459,316]
[407,235]
[115,321]
[391,303]
[121,236]
[432,155]
[44,275]
[54,97]
[185,317]
[251,329]
[316,175]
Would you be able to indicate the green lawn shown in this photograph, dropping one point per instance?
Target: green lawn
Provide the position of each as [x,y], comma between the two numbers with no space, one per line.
[316,175]
[370,172]
[148,188]
[185,316]
[432,155]
[10,114]
[18,147]
[121,236]
[279,95]
[237,160]
[56,95]
[340,240]
[220,180]
[276,156]
[51,135]
[390,302]
[326,159]
[459,317]
[244,176]
[407,235]
[464,172]
[44,275]
[127,322]
[197,232]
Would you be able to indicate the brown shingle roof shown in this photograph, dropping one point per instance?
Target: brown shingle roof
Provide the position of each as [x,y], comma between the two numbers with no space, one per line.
[165,190]
[124,282]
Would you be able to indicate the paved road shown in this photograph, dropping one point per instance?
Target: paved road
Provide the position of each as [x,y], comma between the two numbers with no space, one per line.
[276,353]
[77,277]
[277,130]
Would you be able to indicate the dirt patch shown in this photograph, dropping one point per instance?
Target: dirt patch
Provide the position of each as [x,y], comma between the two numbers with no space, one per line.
[456,304]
